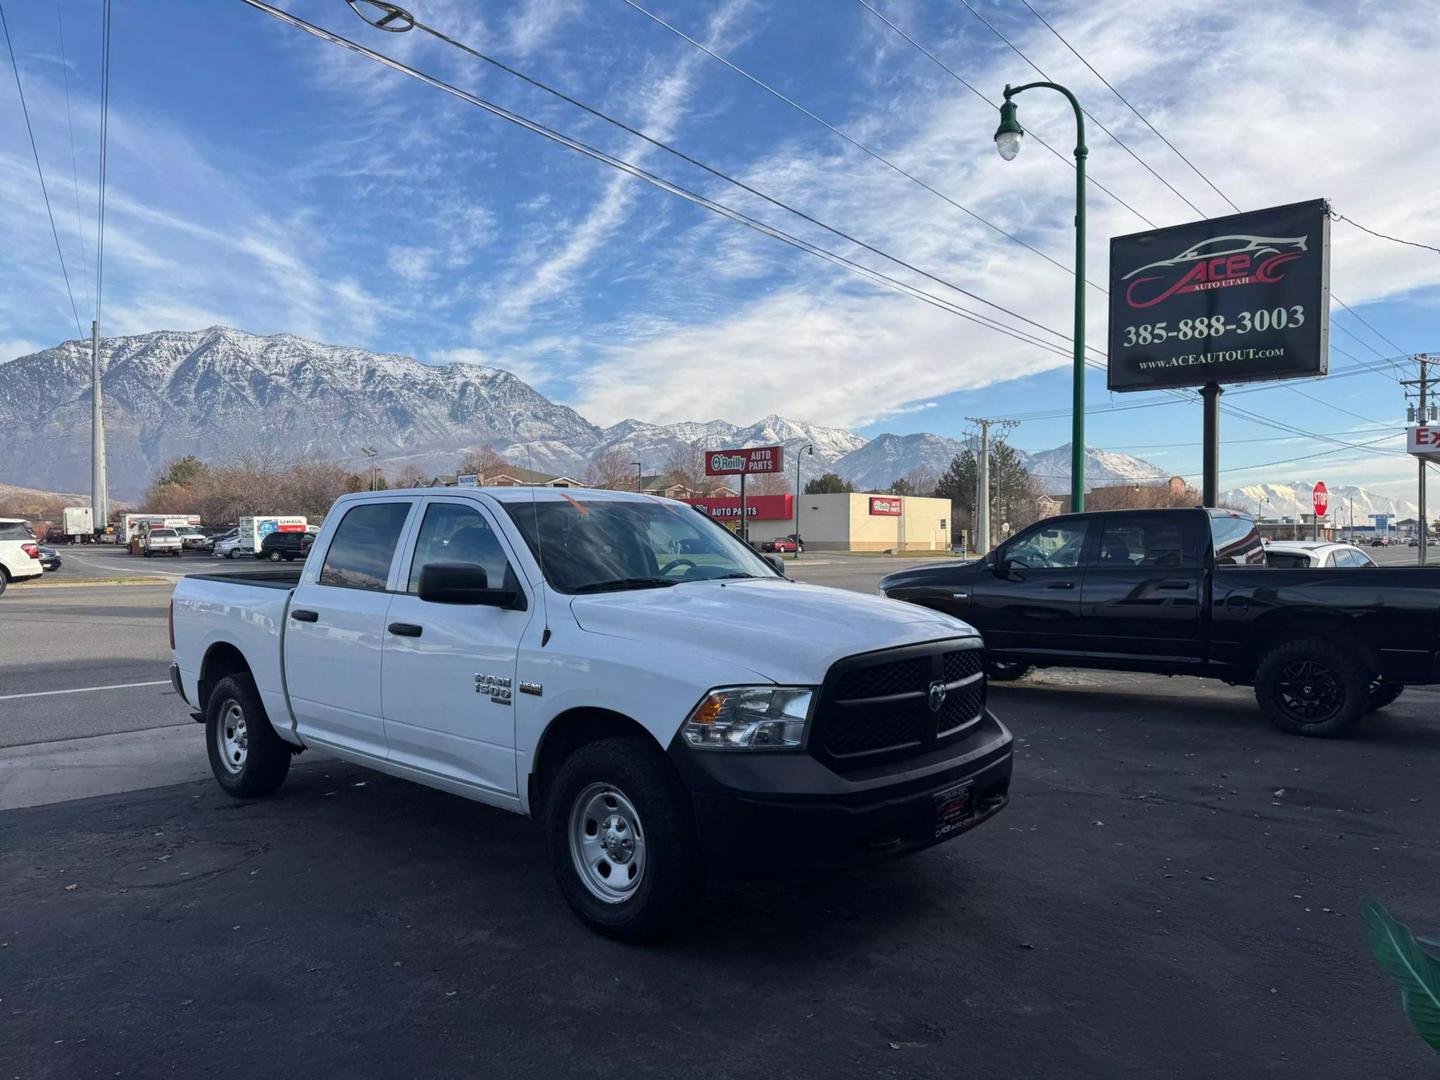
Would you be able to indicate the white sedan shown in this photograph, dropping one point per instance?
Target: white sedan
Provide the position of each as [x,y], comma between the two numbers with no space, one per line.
[1294,554]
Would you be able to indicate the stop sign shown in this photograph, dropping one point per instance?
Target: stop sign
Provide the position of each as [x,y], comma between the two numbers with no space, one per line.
[1321,498]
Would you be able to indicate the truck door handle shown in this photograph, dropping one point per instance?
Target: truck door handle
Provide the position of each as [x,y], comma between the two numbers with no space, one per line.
[1061,585]
[305,615]
[1177,586]
[405,629]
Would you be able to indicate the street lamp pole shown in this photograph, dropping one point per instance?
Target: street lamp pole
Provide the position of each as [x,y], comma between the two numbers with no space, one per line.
[638,476]
[1007,142]
[808,448]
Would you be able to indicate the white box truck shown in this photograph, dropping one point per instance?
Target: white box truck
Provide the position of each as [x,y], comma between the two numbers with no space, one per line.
[78,525]
[253,530]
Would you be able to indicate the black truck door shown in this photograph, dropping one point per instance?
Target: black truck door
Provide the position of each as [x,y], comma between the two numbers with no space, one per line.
[1142,593]
[1030,601]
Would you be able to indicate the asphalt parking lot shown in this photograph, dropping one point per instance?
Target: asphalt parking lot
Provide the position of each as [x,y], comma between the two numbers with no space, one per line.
[1174,892]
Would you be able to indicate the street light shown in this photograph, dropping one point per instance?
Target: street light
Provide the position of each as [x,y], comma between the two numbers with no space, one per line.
[1008,137]
[808,448]
[638,477]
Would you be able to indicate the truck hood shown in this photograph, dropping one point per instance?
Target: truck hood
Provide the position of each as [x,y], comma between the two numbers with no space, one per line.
[782,630]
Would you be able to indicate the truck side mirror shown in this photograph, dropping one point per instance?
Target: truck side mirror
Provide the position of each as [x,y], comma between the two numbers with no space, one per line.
[465,583]
[1009,570]
[776,563]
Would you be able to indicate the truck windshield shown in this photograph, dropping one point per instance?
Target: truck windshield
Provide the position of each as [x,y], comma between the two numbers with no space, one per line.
[604,545]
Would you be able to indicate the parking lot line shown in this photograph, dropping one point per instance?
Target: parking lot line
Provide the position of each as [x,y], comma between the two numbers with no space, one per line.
[83,689]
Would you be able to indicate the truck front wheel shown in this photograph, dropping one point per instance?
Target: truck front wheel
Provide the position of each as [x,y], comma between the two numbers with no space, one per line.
[248,759]
[622,839]
[1313,686]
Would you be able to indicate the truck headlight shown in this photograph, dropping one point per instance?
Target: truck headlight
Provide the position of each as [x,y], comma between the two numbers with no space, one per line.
[750,718]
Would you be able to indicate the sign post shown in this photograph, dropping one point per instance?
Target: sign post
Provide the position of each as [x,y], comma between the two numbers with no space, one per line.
[1320,500]
[742,462]
[1242,298]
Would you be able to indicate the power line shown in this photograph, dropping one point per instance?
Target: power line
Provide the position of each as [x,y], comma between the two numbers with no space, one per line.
[1118,141]
[851,140]
[70,128]
[1132,108]
[743,186]
[104,157]
[44,191]
[1366,323]
[665,185]
[963,82]
[1383,236]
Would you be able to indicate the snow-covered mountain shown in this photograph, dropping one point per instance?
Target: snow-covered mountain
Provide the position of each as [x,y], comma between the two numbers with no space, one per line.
[1051,469]
[222,393]
[1294,500]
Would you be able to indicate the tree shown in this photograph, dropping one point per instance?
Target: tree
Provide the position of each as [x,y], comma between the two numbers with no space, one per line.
[828,484]
[411,476]
[902,487]
[686,465]
[482,462]
[922,480]
[1013,495]
[611,469]
[767,484]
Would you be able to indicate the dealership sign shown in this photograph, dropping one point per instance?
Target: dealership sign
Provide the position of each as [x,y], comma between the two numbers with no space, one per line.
[757,508]
[752,459]
[885,506]
[1230,299]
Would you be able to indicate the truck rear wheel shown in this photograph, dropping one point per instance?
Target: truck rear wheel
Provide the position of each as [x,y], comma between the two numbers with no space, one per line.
[622,839]
[1313,686]
[248,759]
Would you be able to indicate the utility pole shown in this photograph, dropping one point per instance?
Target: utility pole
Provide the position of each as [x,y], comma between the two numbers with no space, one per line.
[982,480]
[1421,417]
[99,496]
[370,452]
[639,478]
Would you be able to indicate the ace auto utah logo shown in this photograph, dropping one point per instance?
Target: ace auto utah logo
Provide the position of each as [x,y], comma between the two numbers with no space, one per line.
[1219,263]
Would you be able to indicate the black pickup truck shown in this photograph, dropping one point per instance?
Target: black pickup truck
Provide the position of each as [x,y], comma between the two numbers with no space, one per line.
[1187,592]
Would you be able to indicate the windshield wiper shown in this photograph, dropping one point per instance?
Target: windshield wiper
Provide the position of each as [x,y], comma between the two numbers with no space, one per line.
[727,577]
[626,583]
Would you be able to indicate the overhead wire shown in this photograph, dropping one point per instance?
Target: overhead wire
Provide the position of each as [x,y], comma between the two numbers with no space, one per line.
[1383,236]
[669,186]
[969,86]
[416,24]
[856,143]
[74,165]
[44,189]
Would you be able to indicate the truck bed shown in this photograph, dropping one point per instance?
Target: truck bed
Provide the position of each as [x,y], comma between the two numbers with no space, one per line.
[286,578]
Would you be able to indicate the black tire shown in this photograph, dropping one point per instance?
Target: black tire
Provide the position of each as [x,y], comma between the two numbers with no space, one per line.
[275,556]
[1313,686]
[1006,670]
[672,875]
[4,579]
[1384,693]
[263,759]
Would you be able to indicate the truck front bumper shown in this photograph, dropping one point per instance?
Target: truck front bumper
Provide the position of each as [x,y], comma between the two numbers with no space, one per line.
[759,812]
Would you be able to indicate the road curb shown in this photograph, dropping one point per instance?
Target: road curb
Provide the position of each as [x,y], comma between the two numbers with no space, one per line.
[96,583]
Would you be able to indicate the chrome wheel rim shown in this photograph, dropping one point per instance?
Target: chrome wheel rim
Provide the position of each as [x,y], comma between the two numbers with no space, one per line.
[1310,691]
[607,843]
[232,737]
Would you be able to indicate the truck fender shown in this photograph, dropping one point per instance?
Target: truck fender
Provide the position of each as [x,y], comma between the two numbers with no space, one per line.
[565,734]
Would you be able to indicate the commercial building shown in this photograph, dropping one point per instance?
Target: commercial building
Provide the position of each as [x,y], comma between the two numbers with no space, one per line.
[849,521]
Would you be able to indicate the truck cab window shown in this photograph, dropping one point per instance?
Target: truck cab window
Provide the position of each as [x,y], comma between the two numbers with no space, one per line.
[1149,542]
[1047,546]
[360,555]
[455,533]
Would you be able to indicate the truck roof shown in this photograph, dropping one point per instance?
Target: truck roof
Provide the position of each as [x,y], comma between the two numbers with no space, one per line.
[518,494]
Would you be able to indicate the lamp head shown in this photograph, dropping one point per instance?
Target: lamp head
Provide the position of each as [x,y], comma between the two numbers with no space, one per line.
[1009,133]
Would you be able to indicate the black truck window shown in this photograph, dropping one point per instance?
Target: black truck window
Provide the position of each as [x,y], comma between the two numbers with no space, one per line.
[1144,541]
[1237,541]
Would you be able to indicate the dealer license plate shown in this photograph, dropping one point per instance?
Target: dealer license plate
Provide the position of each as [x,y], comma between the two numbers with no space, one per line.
[954,808]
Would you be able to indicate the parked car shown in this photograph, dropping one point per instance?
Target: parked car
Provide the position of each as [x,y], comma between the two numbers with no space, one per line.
[1187,592]
[160,541]
[782,545]
[1413,541]
[1290,554]
[231,547]
[285,545]
[1379,541]
[19,552]
[49,558]
[192,538]
[548,653]
[218,537]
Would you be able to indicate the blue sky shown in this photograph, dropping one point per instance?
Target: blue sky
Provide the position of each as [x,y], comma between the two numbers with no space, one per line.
[264,179]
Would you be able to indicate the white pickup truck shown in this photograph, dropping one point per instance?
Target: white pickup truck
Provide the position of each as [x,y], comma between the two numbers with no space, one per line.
[665,715]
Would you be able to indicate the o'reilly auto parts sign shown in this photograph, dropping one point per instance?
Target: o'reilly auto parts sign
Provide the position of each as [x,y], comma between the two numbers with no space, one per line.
[1231,299]
[750,459]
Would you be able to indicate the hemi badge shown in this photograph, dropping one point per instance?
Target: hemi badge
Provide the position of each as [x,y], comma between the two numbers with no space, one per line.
[532,688]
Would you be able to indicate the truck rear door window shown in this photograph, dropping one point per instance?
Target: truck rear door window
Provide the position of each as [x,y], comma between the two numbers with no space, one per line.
[1151,541]
[1237,541]
[364,546]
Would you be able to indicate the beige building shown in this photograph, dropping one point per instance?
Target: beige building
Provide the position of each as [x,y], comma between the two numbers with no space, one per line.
[859,522]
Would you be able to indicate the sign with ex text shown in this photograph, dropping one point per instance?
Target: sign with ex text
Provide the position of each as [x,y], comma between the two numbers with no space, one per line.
[1423,442]
[1231,299]
[751,459]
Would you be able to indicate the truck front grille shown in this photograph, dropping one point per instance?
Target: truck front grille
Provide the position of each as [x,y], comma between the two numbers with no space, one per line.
[878,706]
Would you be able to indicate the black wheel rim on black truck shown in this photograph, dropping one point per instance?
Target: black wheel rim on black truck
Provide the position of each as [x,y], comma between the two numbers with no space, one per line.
[1309,690]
